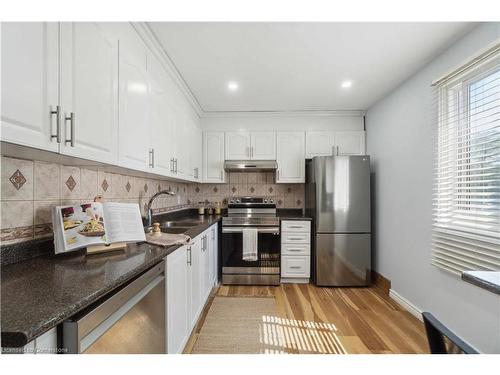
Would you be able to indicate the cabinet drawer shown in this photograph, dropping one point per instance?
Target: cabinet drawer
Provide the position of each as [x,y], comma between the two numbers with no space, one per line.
[291,237]
[296,226]
[295,266]
[296,249]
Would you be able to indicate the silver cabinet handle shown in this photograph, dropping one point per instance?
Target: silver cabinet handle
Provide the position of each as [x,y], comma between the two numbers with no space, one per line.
[172,165]
[295,267]
[295,238]
[71,120]
[188,252]
[295,226]
[153,153]
[294,249]
[57,112]
[152,158]
[277,175]
[221,175]
[175,165]
[337,150]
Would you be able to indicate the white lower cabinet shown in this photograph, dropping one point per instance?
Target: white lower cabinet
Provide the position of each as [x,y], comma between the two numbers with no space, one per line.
[295,251]
[44,344]
[177,300]
[189,285]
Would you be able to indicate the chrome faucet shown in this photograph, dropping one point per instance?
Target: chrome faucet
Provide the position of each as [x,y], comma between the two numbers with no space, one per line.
[149,211]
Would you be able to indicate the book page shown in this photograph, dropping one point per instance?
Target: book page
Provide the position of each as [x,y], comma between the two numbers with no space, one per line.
[79,226]
[124,222]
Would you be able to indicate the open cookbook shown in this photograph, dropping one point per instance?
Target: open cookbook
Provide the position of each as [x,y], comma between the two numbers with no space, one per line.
[96,223]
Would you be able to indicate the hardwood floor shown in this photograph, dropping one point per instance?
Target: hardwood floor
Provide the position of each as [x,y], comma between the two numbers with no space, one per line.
[335,320]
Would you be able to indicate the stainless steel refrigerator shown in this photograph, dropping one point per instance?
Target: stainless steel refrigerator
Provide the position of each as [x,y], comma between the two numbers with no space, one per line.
[338,200]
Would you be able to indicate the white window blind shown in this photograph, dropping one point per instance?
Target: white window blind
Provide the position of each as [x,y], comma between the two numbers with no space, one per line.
[466,230]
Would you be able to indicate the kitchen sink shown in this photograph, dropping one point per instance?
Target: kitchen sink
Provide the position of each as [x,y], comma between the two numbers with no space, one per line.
[176,230]
[183,224]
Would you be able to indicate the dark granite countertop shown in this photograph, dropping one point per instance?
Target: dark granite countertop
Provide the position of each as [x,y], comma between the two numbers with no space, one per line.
[489,280]
[39,293]
[292,214]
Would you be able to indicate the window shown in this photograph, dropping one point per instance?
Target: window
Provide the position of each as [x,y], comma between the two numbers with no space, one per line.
[466,231]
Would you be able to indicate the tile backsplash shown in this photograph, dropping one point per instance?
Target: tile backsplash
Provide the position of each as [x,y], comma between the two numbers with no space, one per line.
[30,188]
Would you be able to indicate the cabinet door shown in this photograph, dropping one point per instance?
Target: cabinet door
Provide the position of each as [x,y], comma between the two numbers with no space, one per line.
[205,271]
[237,146]
[350,143]
[89,91]
[29,78]
[213,251]
[213,157]
[195,282]
[319,143]
[133,106]
[290,157]
[196,153]
[263,146]
[159,117]
[177,300]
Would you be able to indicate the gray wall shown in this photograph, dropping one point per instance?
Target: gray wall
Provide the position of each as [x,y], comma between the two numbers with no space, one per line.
[400,131]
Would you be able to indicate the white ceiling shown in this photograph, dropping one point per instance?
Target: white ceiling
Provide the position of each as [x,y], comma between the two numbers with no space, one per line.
[299,66]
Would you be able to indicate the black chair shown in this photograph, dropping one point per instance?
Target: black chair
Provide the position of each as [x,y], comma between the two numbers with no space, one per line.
[442,340]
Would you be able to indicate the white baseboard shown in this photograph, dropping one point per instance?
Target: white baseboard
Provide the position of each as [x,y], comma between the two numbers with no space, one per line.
[405,304]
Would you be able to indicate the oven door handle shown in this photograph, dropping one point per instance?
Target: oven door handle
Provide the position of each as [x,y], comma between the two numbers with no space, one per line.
[273,230]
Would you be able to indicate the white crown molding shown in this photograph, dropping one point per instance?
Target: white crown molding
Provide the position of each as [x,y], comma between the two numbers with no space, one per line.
[151,41]
[324,113]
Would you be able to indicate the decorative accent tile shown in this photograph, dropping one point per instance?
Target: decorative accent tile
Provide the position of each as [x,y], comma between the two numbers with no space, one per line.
[105,189]
[17,179]
[43,230]
[251,189]
[215,190]
[128,187]
[146,188]
[17,234]
[270,190]
[197,189]
[70,183]
[105,185]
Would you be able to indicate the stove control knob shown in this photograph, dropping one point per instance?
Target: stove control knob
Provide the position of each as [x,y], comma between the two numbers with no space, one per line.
[237,201]
[231,201]
[271,201]
[265,200]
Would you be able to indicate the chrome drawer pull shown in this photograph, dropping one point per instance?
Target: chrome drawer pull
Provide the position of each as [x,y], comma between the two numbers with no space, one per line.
[57,112]
[295,267]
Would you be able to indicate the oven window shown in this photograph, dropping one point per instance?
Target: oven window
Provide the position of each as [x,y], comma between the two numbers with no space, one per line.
[268,246]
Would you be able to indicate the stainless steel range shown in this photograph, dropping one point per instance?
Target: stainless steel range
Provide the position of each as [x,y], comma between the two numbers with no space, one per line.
[260,213]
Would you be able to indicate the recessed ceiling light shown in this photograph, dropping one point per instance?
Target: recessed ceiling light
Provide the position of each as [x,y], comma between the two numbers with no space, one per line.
[346,84]
[232,86]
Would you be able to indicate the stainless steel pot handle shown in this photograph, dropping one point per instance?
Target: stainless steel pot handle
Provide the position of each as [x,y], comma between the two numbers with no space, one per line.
[273,230]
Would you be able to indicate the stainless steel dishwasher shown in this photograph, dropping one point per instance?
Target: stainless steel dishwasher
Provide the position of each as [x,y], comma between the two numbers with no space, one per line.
[130,321]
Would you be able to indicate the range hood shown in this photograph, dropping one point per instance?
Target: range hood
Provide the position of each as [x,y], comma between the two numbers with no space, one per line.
[250,165]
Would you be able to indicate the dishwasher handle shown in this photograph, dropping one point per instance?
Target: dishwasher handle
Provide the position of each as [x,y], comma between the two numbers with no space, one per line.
[80,333]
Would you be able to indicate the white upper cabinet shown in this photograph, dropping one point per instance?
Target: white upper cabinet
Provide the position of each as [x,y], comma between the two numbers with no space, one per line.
[350,143]
[324,143]
[213,157]
[263,146]
[89,91]
[290,157]
[161,116]
[134,148]
[237,145]
[319,143]
[250,145]
[30,84]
